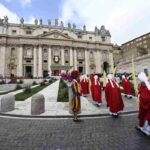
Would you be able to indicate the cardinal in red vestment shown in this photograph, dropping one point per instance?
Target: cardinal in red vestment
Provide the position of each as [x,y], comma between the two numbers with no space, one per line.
[96,91]
[84,85]
[113,96]
[126,84]
[144,104]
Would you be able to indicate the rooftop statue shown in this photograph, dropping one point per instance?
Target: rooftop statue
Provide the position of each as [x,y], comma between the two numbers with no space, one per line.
[22,20]
[6,19]
[69,25]
[84,28]
[1,21]
[41,22]
[74,26]
[49,22]
[62,24]
[56,22]
[36,22]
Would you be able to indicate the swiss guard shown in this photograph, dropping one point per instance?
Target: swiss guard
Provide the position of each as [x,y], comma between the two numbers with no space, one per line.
[113,97]
[144,104]
[126,84]
[84,85]
[96,91]
[76,90]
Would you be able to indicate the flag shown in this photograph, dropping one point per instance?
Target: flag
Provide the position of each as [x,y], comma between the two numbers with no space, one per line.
[135,82]
[114,70]
[105,78]
[134,77]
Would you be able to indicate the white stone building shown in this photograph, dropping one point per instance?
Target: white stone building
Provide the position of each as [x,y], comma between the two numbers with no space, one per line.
[36,50]
[137,48]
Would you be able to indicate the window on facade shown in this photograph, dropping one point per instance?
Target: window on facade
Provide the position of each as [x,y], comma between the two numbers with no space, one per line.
[45,53]
[80,54]
[66,53]
[14,31]
[103,39]
[79,37]
[56,52]
[28,53]
[12,51]
[80,62]
[45,61]
[66,62]
[66,34]
[28,61]
[28,32]
[90,38]
[44,32]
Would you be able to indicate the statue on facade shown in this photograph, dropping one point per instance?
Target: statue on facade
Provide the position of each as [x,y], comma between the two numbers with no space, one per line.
[74,26]
[6,19]
[41,22]
[84,28]
[96,30]
[22,21]
[56,22]
[1,21]
[62,24]
[69,25]
[49,22]
[36,22]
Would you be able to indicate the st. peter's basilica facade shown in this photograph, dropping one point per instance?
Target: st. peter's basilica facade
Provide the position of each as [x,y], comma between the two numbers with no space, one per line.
[36,50]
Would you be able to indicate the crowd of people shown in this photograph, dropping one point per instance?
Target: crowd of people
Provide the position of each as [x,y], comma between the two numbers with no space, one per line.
[85,85]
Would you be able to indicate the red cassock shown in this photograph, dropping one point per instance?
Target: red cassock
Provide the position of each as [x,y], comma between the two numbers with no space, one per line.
[84,87]
[96,92]
[92,78]
[144,106]
[126,84]
[113,97]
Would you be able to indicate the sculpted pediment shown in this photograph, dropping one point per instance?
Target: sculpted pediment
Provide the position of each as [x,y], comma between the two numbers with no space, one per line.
[55,35]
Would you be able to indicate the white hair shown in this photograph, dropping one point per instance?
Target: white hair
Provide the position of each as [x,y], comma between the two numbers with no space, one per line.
[142,77]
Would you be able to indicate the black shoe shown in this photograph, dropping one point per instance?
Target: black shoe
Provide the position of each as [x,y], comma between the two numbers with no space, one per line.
[137,128]
[115,116]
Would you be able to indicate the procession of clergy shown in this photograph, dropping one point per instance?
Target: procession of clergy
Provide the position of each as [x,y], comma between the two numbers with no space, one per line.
[92,85]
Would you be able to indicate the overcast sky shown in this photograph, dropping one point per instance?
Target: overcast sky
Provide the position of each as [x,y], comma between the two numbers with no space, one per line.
[125,19]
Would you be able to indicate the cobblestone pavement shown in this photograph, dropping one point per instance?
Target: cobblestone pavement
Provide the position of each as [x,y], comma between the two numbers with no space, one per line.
[64,134]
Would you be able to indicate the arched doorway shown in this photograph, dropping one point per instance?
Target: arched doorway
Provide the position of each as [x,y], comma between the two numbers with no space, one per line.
[106,67]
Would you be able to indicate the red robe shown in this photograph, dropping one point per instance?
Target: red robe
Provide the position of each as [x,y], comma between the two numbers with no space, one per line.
[92,78]
[113,98]
[144,106]
[127,86]
[96,92]
[84,87]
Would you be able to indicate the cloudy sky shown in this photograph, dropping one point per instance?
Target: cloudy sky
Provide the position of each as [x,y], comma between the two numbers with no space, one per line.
[126,19]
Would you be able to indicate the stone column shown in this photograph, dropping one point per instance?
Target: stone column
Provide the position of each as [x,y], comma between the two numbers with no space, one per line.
[99,61]
[20,61]
[111,62]
[71,57]
[75,59]
[96,61]
[35,62]
[62,56]
[49,60]
[86,62]
[2,59]
[40,73]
